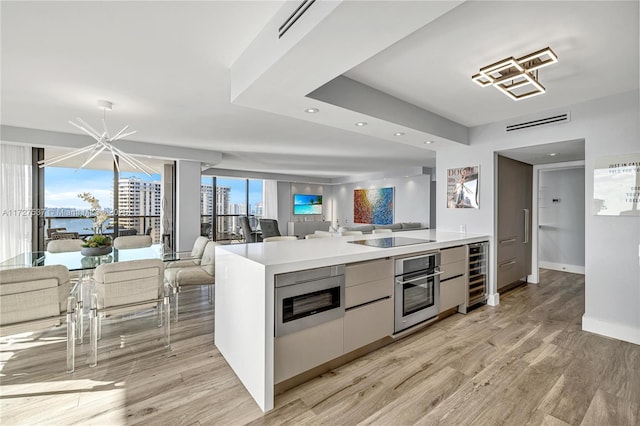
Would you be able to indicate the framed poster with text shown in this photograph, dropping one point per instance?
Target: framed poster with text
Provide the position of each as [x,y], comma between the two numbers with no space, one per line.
[616,186]
[463,188]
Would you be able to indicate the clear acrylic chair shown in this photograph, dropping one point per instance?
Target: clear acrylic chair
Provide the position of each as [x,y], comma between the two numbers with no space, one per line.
[38,298]
[125,287]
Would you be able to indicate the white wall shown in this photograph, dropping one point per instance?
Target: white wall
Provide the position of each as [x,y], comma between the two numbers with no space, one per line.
[285,203]
[609,126]
[187,204]
[411,199]
[561,217]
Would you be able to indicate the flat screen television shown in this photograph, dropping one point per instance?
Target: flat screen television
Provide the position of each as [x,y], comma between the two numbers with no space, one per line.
[307,204]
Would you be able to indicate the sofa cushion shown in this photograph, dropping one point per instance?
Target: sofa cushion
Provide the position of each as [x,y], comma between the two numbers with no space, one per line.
[411,225]
[363,228]
[393,226]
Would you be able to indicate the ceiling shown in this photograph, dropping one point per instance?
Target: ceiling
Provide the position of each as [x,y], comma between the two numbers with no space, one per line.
[168,68]
[432,67]
[549,153]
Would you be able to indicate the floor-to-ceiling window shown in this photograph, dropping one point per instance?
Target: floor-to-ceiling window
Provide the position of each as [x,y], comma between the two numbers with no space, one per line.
[223,200]
[65,210]
[132,206]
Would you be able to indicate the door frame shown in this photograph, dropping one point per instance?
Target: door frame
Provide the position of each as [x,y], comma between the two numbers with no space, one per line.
[534,278]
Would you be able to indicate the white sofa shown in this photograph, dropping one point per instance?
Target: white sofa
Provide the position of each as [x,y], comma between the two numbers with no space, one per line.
[395,227]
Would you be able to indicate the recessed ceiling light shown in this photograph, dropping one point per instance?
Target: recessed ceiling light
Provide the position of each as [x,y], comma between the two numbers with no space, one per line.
[429,142]
[311,110]
[398,134]
[361,123]
[553,154]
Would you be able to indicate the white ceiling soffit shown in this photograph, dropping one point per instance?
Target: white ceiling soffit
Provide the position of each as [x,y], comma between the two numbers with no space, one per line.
[103,161]
[354,96]
[557,152]
[276,74]
[48,139]
[404,172]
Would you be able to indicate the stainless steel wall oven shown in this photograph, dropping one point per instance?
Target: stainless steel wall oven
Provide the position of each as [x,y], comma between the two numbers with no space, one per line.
[417,289]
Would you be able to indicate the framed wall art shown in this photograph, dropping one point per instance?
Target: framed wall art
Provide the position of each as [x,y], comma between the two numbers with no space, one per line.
[616,186]
[463,188]
[373,206]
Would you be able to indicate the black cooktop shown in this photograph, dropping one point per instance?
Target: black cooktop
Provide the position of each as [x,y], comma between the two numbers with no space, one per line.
[388,242]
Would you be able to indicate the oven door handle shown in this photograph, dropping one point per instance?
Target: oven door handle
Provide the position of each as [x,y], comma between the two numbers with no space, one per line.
[401,281]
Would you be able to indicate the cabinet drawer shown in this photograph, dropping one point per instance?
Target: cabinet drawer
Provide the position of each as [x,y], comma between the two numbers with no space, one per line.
[452,255]
[298,352]
[510,271]
[367,292]
[452,293]
[367,324]
[452,269]
[358,273]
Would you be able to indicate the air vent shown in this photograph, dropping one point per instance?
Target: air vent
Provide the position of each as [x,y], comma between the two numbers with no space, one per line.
[553,119]
[300,10]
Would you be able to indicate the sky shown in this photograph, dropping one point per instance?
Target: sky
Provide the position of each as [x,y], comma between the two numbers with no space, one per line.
[237,194]
[62,186]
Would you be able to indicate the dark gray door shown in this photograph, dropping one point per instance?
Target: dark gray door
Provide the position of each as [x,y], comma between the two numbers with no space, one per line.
[515,181]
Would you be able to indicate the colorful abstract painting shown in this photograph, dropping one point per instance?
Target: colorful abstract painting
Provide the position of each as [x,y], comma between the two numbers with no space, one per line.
[373,206]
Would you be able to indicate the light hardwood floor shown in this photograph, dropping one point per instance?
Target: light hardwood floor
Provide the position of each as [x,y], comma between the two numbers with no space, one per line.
[525,361]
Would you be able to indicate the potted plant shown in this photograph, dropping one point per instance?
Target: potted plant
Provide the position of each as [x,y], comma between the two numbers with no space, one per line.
[96,245]
[99,214]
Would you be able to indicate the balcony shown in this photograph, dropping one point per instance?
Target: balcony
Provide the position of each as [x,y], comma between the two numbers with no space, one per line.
[227,226]
[84,225]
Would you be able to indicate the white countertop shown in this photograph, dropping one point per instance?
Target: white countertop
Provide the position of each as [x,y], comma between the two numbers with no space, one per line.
[303,254]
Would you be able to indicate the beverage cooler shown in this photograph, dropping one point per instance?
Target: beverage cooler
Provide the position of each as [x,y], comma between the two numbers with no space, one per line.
[478,274]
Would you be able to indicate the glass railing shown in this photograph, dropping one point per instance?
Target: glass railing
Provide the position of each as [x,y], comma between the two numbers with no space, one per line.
[228,226]
[128,225]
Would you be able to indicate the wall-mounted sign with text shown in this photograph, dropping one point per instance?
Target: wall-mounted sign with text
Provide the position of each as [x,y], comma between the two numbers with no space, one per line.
[616,186]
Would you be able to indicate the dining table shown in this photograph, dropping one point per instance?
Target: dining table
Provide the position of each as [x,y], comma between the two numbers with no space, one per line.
[82,268]
[75,261]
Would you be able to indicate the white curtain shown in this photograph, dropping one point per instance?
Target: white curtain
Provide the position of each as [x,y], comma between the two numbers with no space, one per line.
[15,200]
[270,199]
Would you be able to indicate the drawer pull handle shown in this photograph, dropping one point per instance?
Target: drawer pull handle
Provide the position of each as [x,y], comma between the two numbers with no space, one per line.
[510,240]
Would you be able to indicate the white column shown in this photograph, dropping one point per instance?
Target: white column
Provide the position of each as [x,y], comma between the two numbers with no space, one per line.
[187,204]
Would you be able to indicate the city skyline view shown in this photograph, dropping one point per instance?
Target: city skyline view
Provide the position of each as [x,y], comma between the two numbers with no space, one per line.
[62,186]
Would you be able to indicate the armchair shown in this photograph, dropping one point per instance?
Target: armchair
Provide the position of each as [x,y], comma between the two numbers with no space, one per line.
[51,231]
[64,246]
[38,298]
[202,274]
[64,235]
[269,228]
[125,287]
[132,241]
[280,238]
[250,236]
[193,258]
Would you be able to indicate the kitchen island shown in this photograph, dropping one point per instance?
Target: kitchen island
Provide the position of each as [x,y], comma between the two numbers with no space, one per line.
[245,309]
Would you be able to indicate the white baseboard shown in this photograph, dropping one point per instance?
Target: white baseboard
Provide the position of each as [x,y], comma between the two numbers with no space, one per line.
[493,299]
[574,269]
[611,329]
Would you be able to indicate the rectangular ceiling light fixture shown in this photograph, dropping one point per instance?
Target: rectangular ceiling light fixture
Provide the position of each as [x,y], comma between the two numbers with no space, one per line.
[517,78]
